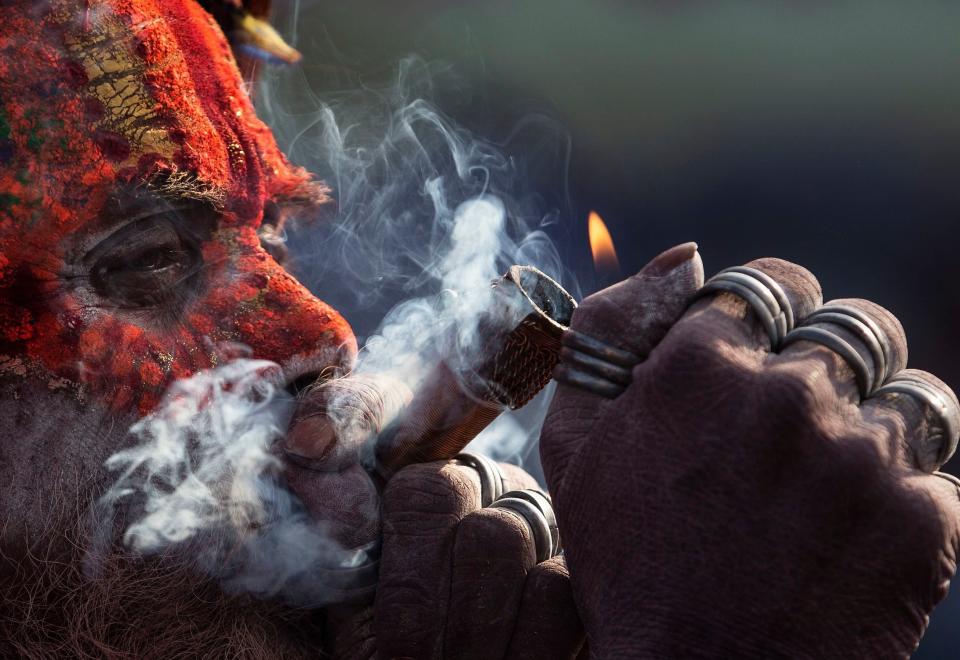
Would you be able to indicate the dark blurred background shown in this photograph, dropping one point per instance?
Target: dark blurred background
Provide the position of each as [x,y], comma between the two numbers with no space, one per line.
[826,133]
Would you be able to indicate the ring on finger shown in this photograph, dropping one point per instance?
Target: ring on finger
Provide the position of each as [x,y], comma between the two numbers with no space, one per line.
[949,477]
[535,508]
[491,478]
[543,502]
[838,345]
[947,424]
[594,366]
[765,296]
[860,324]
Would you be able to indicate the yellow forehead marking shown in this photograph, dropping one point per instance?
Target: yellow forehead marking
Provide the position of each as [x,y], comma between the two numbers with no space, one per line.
[115,73]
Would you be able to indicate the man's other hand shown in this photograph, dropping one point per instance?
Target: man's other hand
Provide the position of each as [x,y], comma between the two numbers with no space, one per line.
[749,492]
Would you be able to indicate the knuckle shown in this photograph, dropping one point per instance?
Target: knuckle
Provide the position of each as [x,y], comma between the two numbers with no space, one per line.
[516,478]
[934,382]
[403,595]
[800,285]
[857,462]
[494,544]
[437,488]
[507,530]
[924,413]
[888,323]
[551,576]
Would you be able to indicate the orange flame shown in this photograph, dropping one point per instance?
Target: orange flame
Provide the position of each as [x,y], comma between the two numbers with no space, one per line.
[601,244]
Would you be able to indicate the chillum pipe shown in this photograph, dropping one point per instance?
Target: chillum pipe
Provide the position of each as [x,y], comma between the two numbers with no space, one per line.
[513,358]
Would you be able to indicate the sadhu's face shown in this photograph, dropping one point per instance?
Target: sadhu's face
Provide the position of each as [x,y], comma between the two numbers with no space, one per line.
[134,178]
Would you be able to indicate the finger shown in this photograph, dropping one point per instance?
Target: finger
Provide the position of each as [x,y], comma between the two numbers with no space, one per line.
[336,420]
[548,625]
[346,509]
[346,503]
[516,478]
[627,320]
[945,489]
[752,306]
[421,508]
[855,343]
[492,482]
[634,314]
[931,529]
[924,415]
[493,552]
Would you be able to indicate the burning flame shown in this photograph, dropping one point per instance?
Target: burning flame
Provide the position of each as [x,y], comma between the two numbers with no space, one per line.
[601,244]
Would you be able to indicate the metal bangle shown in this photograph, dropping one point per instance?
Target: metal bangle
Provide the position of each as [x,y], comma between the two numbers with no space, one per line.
[866,329]
[529,512]
[491,478]
[949,424]
[351,585]
[839,346]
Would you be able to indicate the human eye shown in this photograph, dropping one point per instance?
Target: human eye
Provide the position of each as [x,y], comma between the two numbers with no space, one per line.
[152,261]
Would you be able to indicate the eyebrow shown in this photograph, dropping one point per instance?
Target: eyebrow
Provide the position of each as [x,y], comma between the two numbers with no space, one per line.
[170,190]
[181,185]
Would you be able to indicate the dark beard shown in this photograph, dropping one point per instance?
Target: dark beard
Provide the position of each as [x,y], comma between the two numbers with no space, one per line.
[54,604]
[135,607]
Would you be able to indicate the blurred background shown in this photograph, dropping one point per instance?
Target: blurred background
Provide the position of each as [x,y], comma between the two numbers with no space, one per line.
[826,133]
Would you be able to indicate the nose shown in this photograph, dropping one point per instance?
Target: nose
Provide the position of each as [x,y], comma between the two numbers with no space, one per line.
[264,307]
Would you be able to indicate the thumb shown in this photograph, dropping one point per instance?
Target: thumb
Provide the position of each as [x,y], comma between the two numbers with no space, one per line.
[635,314]
[630,318]
[336,421]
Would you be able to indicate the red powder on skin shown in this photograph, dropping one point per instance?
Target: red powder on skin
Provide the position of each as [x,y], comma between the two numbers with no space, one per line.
[151,374]
[69,151]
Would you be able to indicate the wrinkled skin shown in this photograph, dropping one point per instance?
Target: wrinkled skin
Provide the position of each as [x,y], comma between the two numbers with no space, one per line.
[135,179]
[735,502]
[136,186]
[456,580]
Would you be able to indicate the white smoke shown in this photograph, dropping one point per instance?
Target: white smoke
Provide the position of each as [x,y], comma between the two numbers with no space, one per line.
[428,215]
[201,469]
[400,169]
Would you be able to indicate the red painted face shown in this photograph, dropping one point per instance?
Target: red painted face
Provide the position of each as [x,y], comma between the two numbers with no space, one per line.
[133,180]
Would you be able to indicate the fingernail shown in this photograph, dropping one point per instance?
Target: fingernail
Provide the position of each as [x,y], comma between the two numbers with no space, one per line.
[312,437]
[669,260]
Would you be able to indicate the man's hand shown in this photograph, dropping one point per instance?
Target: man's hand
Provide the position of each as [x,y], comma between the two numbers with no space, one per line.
[736,501]
[456,579]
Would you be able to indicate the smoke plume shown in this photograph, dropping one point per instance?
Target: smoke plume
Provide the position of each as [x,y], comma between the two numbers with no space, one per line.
[428,215]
